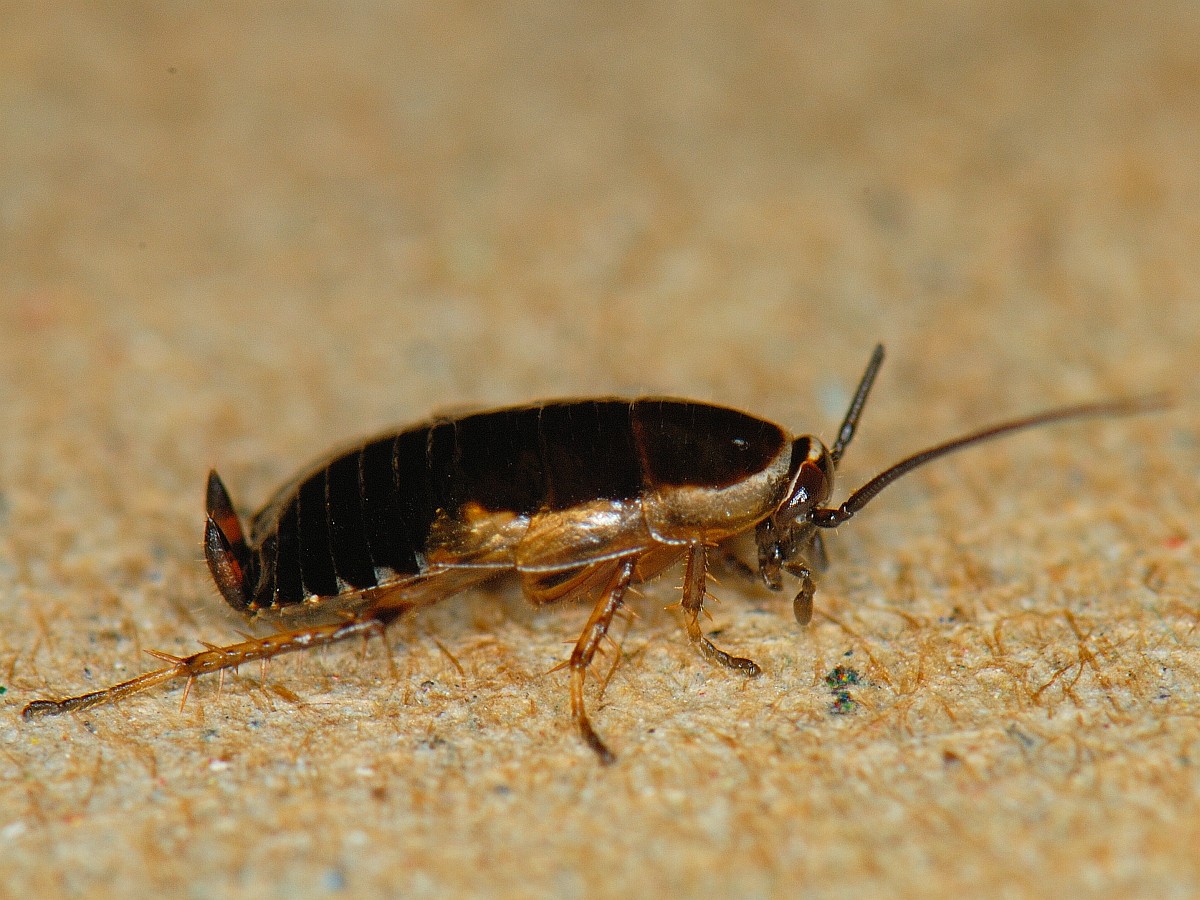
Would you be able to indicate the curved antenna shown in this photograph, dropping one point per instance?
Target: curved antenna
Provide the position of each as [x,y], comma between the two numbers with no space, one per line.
[832,517]
[850,423]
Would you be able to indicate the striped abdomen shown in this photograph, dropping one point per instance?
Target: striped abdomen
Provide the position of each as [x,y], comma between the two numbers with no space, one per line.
[499,489]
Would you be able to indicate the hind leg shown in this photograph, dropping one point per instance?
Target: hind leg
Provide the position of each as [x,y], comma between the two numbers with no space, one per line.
[215,659]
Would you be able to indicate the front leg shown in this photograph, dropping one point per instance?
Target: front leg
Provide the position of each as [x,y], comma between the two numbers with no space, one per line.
[812,554]
[694,588]
[802,605]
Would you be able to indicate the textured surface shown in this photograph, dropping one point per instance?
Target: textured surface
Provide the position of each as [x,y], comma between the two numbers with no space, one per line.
[238,239]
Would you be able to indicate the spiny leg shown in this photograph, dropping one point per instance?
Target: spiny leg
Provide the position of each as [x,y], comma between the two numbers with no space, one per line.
[694,573]
[214,659]
[585,650]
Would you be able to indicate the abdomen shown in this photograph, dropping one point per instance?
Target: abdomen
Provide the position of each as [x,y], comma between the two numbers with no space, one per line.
[464,491]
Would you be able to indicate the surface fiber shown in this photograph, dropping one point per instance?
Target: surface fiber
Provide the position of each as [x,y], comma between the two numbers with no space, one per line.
[238,235]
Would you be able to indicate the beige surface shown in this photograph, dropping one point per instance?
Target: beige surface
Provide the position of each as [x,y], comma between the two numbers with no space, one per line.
[237,239]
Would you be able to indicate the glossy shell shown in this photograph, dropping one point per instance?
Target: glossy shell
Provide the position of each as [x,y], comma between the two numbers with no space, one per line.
[541,488]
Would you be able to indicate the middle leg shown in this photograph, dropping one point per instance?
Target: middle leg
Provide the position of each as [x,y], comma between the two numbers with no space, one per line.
[694,588]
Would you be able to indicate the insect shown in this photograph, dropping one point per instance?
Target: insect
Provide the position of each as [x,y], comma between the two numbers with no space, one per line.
[580,498]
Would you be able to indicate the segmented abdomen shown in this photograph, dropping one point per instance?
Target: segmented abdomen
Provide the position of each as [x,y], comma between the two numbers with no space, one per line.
[365,517]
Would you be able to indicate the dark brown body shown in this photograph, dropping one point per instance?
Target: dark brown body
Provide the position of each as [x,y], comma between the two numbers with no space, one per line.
[578,498]
[547,490]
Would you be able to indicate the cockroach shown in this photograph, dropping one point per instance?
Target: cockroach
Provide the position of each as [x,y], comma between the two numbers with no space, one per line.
[579,498]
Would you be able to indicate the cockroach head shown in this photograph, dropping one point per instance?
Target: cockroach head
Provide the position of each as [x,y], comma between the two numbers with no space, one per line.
[811,481]
[787,532]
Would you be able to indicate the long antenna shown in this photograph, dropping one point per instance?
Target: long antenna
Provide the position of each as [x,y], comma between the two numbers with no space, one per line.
[850,423]
[832,517]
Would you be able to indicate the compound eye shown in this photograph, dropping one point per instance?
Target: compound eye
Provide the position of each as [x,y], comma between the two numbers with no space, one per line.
[812,482]
[810,488]
[812,485]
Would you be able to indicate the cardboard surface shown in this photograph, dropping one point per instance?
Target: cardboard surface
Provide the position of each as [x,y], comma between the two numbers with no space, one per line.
[237,239]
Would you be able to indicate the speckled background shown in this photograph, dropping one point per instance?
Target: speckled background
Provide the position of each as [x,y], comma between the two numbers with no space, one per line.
[237,236]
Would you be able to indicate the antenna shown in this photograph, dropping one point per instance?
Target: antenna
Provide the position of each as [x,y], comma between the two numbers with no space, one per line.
[850,423]
[832,517]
